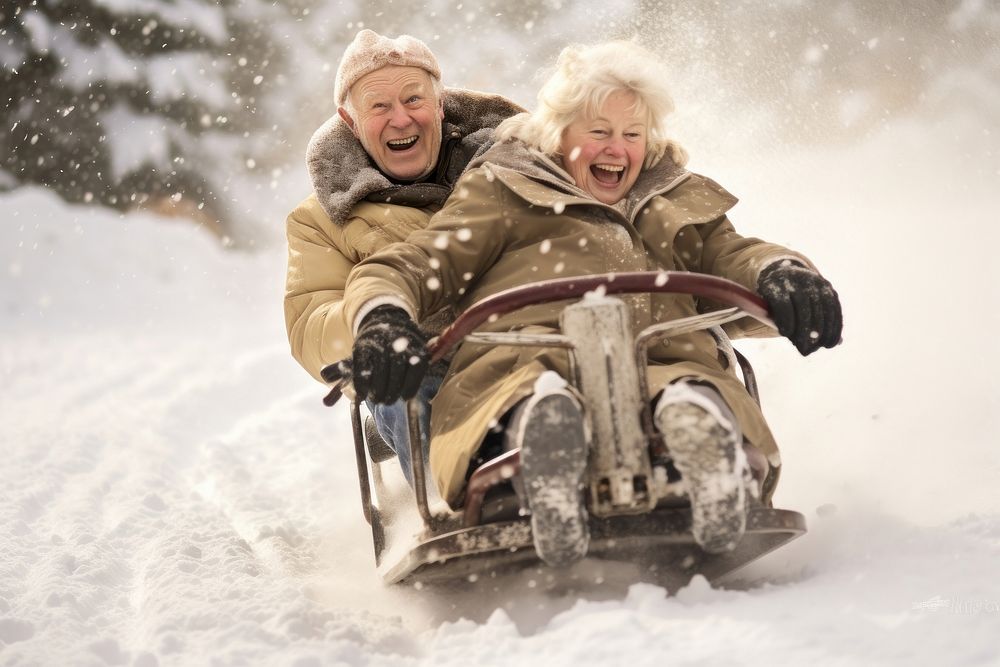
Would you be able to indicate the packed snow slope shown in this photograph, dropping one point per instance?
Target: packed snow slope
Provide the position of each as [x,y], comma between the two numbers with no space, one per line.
[173,492]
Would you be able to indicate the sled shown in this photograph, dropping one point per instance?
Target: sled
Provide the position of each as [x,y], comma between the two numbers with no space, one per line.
[639,513]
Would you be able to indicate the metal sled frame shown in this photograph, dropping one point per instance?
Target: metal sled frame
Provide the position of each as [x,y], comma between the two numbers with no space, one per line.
[455,545]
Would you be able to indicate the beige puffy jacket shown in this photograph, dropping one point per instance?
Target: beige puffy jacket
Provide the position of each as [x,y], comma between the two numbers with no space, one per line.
[516,218]
[355,211]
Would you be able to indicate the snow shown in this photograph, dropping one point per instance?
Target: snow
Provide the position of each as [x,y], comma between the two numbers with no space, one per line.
[173,491]
[203,17]
[142,139]
[682,392]
[38,30]
[84,67]
[179,75]
[548,382]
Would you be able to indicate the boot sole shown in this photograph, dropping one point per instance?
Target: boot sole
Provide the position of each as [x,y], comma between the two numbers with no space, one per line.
[708,459]
[553,478]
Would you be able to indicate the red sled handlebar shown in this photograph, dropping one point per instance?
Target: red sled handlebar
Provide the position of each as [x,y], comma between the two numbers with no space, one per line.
[558,289]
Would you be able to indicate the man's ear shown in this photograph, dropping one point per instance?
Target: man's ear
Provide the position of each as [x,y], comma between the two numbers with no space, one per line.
[347,119]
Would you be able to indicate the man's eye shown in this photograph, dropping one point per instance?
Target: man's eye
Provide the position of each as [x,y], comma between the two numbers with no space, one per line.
[413,99]
[380,105]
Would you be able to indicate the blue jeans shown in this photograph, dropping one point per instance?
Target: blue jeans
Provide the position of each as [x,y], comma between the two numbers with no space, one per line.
[394,428]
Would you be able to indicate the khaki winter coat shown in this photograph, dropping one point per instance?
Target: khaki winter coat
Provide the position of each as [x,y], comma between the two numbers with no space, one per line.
[516,218]
[355,211]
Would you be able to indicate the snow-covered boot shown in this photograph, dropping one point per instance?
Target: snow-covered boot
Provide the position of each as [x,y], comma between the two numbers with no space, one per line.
[705,443]
[548,427]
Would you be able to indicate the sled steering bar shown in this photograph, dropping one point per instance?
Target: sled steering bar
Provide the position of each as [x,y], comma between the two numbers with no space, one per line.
[558,289]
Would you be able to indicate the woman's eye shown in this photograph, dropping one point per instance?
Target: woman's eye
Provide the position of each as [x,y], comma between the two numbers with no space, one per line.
[599,132]
[415,98]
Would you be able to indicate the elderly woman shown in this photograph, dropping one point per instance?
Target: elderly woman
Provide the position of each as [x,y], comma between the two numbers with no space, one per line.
[586,184]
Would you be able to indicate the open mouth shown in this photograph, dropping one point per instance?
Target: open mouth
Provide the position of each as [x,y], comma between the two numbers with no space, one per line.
[402,144]
[608,174]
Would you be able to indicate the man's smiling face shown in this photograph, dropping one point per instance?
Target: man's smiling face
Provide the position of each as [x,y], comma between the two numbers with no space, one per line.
[397,117]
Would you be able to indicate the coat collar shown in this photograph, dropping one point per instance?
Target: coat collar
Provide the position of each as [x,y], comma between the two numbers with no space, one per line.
[541,181]
[342,173]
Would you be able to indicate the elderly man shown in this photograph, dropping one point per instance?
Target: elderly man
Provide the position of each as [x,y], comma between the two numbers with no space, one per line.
[380,168]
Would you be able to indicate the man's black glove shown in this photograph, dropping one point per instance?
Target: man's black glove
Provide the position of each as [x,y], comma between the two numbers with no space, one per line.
[390,356]
[803,304]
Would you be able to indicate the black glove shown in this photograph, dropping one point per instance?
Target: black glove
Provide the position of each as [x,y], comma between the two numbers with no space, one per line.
[803,304]
[390,356]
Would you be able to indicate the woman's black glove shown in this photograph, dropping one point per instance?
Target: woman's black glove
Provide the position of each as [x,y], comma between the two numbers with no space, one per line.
[390,356]
[803,304]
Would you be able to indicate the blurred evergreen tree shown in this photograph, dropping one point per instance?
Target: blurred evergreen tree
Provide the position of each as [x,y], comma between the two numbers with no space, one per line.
[131,104]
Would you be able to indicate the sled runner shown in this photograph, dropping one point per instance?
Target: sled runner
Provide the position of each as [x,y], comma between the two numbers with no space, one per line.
[639,512]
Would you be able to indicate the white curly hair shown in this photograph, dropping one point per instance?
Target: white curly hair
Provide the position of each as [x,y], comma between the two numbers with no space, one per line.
[584,78]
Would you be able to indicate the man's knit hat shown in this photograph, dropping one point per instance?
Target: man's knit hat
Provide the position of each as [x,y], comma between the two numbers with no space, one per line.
[371,51]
